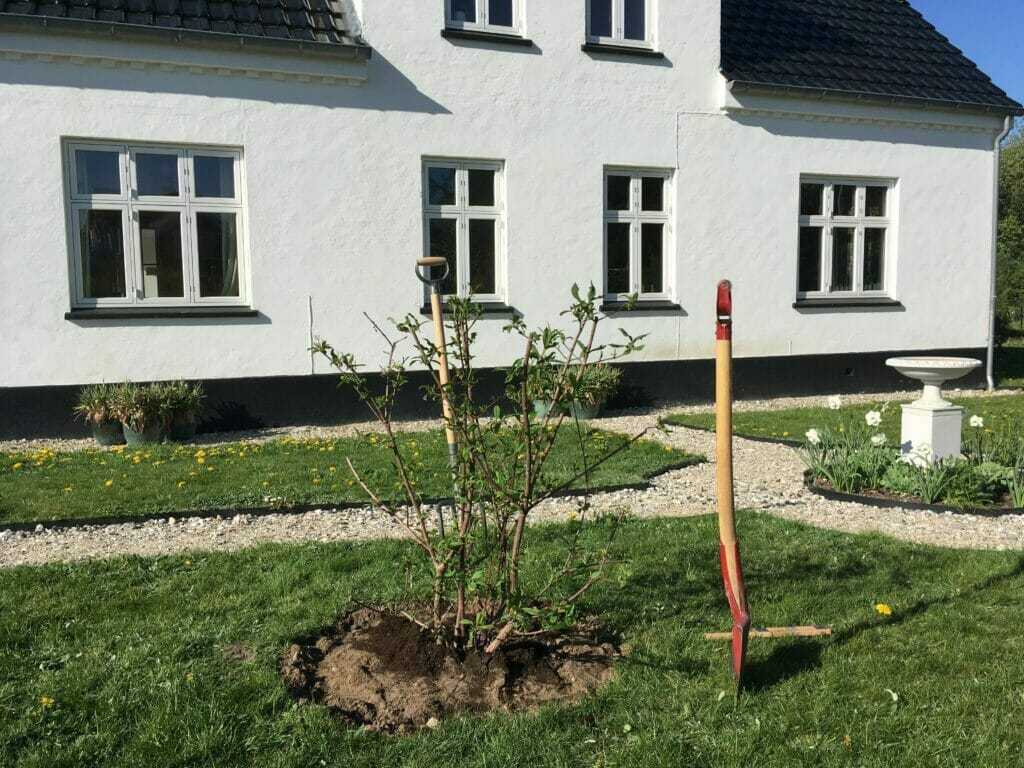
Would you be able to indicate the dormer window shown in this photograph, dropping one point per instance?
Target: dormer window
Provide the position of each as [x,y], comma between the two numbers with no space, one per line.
[499,16]
[621,22]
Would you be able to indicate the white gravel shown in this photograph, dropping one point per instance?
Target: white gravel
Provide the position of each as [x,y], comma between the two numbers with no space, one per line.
[768,478]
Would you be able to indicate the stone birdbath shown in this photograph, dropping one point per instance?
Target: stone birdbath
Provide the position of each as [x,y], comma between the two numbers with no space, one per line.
[931,420]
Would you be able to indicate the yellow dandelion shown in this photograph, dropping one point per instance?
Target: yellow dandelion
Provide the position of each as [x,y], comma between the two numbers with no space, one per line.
[884,609]
[47,702]
[17,465]
[266,484]
[193,474]
[573,514]
[785,434]
[109,483]
[188,562]
[201,460]
[181,484]
[332,469]
[373,439]
[190,677]
[210,469]
[69,489]
[316,480]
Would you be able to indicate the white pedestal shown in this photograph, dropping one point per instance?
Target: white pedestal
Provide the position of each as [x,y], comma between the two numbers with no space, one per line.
[938,426]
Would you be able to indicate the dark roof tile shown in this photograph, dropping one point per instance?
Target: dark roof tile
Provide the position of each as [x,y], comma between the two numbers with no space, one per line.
[320,21]
[866,47]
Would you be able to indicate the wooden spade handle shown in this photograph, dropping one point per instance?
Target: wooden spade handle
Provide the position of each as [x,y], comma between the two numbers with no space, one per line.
[431,261]
[774,632]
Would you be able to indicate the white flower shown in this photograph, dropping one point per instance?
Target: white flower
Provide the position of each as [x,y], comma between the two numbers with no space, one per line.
[835,402]
[873,418]
[813,436]
[977,422]
[878,440]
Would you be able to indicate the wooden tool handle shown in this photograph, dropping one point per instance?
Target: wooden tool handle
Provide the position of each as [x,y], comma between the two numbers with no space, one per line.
[808,631]
[431,261]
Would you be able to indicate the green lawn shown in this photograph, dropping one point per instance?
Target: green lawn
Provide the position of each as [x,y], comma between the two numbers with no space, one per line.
[118,662]
[43,485]
[1002,415]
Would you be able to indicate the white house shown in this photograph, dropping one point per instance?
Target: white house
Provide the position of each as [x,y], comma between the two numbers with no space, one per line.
[196,188]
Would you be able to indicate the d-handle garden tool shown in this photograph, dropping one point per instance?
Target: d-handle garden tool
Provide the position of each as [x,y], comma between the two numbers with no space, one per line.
[427,269]
[729,549]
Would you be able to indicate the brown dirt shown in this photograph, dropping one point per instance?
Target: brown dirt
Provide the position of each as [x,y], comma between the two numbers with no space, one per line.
[379,670]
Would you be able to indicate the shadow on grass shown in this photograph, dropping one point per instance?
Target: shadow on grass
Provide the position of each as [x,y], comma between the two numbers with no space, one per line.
[800,656]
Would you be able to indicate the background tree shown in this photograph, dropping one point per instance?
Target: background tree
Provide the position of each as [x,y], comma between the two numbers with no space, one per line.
[1010,244]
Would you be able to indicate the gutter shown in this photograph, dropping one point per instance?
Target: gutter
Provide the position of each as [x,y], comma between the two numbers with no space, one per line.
[357,49]
[810,92]
[991,351]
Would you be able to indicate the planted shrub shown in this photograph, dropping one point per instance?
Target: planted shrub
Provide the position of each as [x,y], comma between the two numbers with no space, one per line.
[474,552]
[97,404]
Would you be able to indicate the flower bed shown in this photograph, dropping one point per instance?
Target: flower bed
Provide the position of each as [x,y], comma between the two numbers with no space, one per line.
[858,458]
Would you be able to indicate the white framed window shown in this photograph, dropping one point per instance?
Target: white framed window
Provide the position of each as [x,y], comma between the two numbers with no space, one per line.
[621,22]
[501,16]
[847,237]
[463,221]
[155,225]
[637,233]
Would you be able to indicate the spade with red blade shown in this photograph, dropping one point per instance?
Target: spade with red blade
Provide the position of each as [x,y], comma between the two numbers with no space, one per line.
[729,548]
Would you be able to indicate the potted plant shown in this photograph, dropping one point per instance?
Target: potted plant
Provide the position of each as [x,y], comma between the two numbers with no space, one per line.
[181,404]
[543,394]
[96,406]
[597,382]
[139,408]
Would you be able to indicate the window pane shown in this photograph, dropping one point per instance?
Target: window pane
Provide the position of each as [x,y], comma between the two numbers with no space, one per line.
[102,246]
[874,259]
[842,258]
[844,200]
[618,257]
[652,262]
[653,194]
[97,173]
[441,186]
[499,12]
[635,27]
[157,175]
[217,249]
[481,255]
[442,242]
[875,198]
[618,193]
[160,244]
[809,278]
[481,187]
[810,199]
[601,18]
[464,10]
[215,176]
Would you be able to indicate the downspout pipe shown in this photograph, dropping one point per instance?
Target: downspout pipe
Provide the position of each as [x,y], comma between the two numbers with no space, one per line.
[991,353]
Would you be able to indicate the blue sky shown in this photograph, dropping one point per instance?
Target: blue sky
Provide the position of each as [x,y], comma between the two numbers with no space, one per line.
[990,32]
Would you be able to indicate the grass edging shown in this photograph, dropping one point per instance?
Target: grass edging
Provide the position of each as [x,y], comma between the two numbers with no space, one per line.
[301,509]
[881,503]
[753,438]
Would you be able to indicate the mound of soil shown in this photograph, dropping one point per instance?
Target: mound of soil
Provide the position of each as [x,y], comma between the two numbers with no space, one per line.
[379,670]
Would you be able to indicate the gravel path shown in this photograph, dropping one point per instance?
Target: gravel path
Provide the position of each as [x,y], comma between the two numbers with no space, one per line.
[768,478]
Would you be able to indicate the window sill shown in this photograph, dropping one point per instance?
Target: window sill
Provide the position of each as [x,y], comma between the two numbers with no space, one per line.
[486,308]
[640,306]
[840,303]
[486,37]
[153,313]
[622,50]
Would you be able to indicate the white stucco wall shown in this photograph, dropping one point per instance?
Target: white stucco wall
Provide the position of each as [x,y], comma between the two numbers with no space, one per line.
[333,190]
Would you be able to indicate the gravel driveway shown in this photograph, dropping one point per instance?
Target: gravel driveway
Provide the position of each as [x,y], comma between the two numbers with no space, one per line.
[768,478]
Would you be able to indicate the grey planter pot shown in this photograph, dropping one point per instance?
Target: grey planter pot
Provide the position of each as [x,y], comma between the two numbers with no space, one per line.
[183,429]
[586,411]
[151,434]
[542,408]
[107,433]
